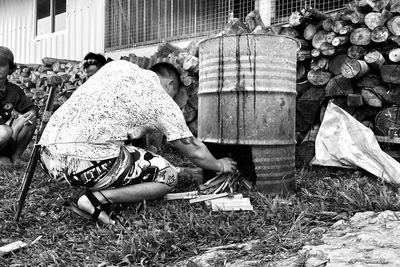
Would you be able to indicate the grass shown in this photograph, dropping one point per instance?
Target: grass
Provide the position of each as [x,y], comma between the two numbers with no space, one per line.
[158,233]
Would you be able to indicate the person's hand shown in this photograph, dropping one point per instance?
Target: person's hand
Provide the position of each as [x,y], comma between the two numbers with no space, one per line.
[227,165]
[29,117]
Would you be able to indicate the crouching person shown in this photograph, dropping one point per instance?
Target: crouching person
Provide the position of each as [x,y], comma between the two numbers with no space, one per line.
[17,113]
[84,140]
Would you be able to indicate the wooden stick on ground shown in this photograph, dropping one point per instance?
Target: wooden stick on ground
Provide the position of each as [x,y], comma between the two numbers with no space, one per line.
[30,169]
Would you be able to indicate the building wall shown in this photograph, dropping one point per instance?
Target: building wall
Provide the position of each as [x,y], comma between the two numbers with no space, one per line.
[84,31]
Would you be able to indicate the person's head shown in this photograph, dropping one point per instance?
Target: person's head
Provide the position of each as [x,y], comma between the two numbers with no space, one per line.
[93,62]
[169,77]
[7,65]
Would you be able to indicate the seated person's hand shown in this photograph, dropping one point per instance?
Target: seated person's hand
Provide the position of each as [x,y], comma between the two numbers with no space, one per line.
[29,117]
[228,165]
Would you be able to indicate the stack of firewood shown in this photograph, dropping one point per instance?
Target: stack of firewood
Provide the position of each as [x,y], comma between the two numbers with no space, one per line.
[35,80]
[351,56]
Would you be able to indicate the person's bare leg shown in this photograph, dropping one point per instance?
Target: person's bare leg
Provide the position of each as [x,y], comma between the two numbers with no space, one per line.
[126,194]
[5,136]
[22,135]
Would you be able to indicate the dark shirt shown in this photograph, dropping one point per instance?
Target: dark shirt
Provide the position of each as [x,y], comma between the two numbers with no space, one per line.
[16,96]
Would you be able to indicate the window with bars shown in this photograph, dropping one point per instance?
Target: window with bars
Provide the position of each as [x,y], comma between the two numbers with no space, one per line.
[132,23]
[281,9]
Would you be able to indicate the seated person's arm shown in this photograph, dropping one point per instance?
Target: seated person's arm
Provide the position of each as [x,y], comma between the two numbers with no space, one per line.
[199,154]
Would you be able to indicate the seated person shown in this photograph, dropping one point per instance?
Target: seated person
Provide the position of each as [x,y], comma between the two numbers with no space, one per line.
[92,63]
[17,113]
[84,140]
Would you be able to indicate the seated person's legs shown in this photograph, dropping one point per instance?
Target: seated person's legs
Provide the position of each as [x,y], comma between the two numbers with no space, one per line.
[150,177]
[6,144]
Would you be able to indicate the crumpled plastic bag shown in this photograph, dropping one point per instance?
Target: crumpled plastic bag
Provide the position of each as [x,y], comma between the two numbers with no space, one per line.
[342,141]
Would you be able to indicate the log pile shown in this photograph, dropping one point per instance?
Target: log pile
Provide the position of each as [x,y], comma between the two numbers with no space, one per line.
[351,57]
[35,80]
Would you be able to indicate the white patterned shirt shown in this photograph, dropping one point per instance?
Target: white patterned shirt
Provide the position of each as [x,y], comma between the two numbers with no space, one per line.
[120,99]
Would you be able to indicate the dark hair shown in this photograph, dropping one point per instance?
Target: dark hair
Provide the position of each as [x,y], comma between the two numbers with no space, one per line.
[12,67]
[165,69]
[94,59]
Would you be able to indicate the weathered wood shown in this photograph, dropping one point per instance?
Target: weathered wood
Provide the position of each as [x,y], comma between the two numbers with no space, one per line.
[373,20]
[309,32]
[303,55]
[323,63]
[207,197]
[296,19]
[363,6]
[304,44]
[289,31]
[393,95]
[315,52]
[391,73]
[339,86]
[380,34]
[329,37]
[371,98]
[12,247]
[336,63]
[375,60]
[361,36]
[356,52]
[347,30]
[369,80]
[179,196]
[378,5]
[340,40]
[338,25]
[354,68]
[327,49]
[319,38]
[394,25]
[313,14]
[318,77]
[354,100]
[394,6]
[346,15]
[379,90]
[327,25]
[395,39]
[394,55]
[300,72]
[48,61]
[351,6]
[302,87]
[357,17]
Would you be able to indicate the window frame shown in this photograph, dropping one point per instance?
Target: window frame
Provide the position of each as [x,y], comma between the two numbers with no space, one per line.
[52,20]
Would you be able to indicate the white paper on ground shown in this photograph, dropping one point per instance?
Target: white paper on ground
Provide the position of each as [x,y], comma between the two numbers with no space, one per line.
[342,141]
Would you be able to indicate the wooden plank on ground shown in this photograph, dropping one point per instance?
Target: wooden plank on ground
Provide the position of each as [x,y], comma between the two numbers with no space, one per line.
[201,198]
[231,204]
[183,195]
[12,247]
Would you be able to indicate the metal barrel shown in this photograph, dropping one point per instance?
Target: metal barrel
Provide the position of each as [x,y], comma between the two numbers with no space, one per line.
[247,95]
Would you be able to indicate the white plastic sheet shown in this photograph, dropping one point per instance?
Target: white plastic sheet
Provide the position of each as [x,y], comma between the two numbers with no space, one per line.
[342,141]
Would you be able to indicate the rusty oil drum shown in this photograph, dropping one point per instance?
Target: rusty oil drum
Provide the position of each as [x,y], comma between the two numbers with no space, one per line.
[247,95]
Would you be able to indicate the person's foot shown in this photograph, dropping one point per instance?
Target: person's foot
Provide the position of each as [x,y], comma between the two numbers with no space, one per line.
[5,162]
[86,205]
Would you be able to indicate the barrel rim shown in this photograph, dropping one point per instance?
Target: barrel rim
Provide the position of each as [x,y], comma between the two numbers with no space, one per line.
[251,34]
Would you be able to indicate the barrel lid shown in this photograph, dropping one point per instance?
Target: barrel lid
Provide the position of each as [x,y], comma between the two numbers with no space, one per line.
[252,34]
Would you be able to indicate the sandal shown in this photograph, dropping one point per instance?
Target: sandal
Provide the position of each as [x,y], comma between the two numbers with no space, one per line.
[98,208]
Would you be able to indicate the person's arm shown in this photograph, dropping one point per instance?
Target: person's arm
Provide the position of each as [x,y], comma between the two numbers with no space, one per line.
[199,154]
